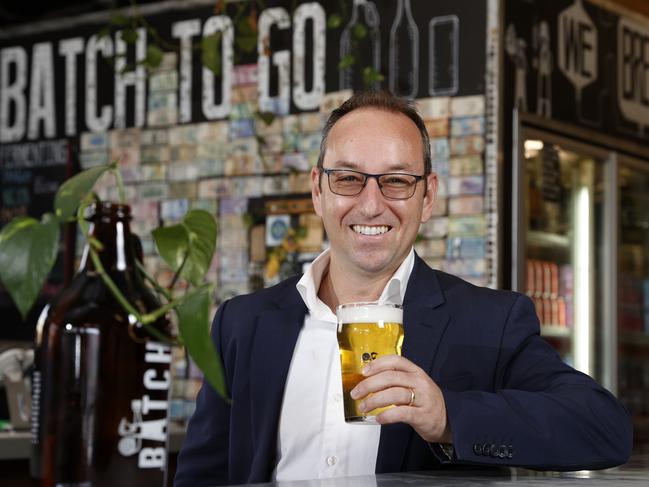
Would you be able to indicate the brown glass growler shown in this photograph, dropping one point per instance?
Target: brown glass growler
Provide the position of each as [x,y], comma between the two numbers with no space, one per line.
[100,383]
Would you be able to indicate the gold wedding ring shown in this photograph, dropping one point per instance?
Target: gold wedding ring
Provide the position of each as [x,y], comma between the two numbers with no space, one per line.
[412,397]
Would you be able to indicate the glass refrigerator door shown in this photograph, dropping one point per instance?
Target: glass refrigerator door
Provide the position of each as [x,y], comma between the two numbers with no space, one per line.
[558,242]
[633,298]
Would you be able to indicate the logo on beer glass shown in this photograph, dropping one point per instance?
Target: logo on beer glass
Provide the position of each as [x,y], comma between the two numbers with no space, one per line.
[367,357]
[366,331]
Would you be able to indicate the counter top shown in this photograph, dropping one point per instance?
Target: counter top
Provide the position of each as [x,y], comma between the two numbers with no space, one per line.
[634,473]
[16,445]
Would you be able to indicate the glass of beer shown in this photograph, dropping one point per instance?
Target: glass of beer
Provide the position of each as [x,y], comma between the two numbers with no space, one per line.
[366,331]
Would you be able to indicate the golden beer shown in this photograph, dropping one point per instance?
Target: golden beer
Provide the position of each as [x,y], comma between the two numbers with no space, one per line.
[366,331]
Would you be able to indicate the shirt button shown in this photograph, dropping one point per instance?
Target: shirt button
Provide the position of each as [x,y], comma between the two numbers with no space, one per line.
[331,461]
[338,397]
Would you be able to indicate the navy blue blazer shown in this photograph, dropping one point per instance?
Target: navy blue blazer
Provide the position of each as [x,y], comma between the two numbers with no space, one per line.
[510,399]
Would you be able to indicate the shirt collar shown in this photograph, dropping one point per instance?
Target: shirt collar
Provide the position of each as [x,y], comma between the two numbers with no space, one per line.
[393,292]
[309,284]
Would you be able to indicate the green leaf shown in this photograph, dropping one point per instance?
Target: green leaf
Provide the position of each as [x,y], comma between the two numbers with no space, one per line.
[201,228]
[211,53]
[104,32]
[71,193]
[172,243]
[246,35]
[346,61]
[334,21]
[119,20]
[371,76]
[359,31]
[192,241]
[127,68]
[153,56]
[247,43]
[129,36]
[266,117]
[244,27]
[193,323]
[28,250]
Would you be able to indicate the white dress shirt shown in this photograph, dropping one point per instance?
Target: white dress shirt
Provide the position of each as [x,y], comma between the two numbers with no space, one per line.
[313,440]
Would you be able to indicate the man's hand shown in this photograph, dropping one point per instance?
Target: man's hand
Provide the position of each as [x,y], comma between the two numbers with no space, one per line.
[392,380]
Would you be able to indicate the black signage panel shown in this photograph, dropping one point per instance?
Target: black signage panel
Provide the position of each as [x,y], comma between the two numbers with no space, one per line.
[64,82]
[574,61]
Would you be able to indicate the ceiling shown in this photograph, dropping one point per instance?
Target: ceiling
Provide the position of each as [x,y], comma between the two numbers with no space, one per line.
[16,12]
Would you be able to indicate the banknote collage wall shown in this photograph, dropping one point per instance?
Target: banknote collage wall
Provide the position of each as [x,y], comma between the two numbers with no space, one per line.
[186,136]
[222,166]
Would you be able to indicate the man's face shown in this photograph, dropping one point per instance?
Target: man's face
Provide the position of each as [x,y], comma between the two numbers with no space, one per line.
[369,234]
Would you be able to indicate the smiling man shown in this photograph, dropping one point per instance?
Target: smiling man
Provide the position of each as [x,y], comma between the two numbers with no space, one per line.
[475,385]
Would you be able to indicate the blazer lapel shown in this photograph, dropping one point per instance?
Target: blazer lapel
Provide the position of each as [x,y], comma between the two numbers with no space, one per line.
[425,321]
[271,353]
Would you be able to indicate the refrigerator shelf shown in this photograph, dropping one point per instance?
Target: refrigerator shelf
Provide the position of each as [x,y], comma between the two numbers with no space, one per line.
[556,331]
[547,239]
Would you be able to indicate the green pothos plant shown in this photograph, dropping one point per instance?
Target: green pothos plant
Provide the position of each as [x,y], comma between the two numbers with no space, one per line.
[28,250]
[244,19]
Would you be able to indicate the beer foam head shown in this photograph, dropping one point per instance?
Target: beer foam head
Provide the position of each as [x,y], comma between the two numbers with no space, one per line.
[369,313]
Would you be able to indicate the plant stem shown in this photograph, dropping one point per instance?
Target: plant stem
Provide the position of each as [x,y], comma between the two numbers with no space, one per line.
[110,284]
[240,11]
[146,319]
[120,184]
[153,282]
[177,274]
[150,29]
[154,315]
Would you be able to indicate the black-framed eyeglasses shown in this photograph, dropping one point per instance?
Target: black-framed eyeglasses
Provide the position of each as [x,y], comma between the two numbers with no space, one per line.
[393,185]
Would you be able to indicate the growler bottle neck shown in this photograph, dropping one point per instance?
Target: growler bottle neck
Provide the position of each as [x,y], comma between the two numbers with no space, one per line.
[110,225]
